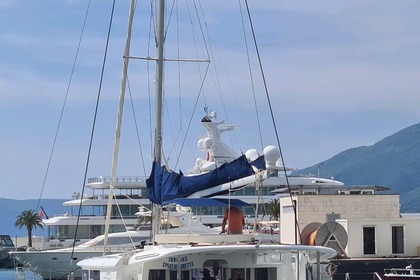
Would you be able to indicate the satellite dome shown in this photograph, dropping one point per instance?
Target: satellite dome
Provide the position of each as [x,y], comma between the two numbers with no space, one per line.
[271,155]
[199,162]
[200,144]
[251,154]
[208,142]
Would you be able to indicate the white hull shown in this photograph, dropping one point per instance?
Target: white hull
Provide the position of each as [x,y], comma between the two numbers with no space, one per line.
[55,264]
[254,261]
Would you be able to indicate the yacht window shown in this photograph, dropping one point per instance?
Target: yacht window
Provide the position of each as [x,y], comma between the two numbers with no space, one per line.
[91,275]
[122,240]
[249,191]
[184,275]
[157,274]
[239,272]
[265,273]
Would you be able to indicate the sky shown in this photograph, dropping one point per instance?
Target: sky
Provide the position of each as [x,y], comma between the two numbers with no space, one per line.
[340,74]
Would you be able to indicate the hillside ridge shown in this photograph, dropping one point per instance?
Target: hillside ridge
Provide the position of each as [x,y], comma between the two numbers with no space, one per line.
[393,162]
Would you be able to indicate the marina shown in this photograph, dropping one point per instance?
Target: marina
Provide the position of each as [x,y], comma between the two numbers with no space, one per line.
[185,256]
[172,225]
[10,274]
[6,246]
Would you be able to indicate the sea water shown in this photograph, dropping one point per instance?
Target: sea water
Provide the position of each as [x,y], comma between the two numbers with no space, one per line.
[9,274]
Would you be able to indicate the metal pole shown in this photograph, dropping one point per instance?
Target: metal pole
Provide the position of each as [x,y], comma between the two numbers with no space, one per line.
[159,101]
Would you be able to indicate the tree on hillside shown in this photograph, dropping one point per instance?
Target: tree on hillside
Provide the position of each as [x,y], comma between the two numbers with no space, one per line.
[273,209]
[31,220]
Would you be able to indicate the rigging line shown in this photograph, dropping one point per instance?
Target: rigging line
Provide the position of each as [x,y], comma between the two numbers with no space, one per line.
[93,125]
[216,79]
[122,218]
[132,200]
[136,126]
[271,112]
[210,54]
[172,133]
[201,87]
[169,19]
[195,41]
[173,148]
[64,104]
[192,114]
[251,76]
[179,67]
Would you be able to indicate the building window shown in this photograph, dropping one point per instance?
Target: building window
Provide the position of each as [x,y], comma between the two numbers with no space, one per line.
[288,209]
[369,245]
[332,217]
[397,239]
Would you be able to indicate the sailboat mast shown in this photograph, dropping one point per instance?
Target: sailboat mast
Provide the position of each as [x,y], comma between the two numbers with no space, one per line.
[118,127]
[159,79]
[160,37]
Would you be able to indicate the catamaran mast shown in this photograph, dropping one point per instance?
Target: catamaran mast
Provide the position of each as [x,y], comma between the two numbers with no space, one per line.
[160,37]
[118,127]
[159,79]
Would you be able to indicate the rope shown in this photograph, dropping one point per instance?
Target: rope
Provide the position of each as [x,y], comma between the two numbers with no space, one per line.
[250,75]
[271,113]
[93,124]
[64,105]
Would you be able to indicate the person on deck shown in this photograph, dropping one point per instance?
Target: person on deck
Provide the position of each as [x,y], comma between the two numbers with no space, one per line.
[236,276]
[236,221]
[206,275]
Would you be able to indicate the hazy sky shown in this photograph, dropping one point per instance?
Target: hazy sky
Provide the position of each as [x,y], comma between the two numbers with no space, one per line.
[341,74]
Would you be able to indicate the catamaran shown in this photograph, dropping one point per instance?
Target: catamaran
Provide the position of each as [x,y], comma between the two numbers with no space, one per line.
[187,256]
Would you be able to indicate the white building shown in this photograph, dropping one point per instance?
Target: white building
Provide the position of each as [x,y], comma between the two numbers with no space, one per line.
[372,222]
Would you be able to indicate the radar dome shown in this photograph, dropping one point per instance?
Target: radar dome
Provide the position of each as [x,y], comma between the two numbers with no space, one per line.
[271,155]
[208,142]
[200,144]
[251,154]
[199,162]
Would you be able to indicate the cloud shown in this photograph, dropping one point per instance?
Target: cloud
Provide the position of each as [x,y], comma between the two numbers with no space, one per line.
[339,73]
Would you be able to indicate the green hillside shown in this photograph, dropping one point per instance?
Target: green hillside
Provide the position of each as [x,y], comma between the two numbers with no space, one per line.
[393,162]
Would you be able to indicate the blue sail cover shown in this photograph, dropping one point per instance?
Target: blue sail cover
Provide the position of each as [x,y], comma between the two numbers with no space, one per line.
[259,163]
[164,186]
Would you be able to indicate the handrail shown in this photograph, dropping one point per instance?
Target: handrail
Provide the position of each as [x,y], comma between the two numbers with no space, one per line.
[376,276]
[107,179]
[401,271]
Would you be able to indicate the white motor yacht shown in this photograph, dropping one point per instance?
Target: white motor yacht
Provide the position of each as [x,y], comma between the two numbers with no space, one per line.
[59,263]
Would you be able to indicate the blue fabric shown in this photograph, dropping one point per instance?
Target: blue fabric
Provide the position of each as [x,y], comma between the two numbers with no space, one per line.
[164,186]
[259,163]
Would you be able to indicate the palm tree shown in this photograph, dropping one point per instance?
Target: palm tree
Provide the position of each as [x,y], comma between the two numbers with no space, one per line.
[273,209]
[31,220]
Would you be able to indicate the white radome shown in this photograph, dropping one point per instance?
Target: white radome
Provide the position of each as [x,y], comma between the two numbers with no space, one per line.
[271,155]
[251,154]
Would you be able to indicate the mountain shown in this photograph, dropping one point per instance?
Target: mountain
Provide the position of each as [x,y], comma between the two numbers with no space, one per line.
[392,162]
[11,208]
